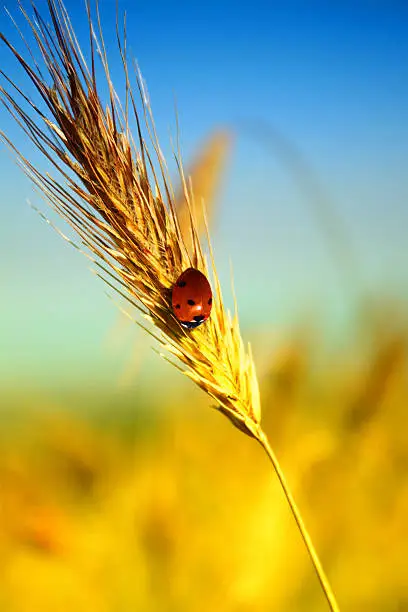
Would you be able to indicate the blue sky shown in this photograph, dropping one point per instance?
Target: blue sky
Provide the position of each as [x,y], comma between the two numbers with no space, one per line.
[331,77]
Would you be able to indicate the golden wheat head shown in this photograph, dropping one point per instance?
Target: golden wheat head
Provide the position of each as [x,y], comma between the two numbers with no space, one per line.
[114,191]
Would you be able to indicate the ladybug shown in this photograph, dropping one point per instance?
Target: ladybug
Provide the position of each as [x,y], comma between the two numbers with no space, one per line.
[191,298]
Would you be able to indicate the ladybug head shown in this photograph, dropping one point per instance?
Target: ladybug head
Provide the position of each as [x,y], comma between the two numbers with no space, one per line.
[197,320]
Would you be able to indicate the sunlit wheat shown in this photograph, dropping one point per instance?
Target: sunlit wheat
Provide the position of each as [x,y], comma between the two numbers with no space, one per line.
[116,194]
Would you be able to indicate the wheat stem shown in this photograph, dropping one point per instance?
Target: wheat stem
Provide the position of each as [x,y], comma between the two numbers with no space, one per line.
[328,592]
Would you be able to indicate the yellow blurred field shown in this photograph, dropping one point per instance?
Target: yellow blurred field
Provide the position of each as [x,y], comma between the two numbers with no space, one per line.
[146,507]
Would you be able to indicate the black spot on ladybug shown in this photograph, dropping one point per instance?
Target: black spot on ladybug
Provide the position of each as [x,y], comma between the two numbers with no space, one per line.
[177,305]
[181,284]
[198,318]
[210,301]
[191,302]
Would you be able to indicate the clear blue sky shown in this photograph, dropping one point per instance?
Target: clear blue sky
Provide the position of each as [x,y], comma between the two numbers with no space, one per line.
[332,77]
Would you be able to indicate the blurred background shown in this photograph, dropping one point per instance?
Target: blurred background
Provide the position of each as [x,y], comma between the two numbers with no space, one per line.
[119,493]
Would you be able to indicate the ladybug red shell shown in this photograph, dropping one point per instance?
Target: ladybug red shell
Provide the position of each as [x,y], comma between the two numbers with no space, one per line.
[191,298]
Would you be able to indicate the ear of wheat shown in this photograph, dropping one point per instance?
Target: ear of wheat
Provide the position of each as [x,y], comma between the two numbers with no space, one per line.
[116,195]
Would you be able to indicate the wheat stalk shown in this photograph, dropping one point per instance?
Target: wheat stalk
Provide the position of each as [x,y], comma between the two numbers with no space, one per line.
[116,195]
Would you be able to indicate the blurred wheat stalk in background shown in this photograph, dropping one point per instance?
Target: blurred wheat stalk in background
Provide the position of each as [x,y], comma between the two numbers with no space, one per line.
[116,195]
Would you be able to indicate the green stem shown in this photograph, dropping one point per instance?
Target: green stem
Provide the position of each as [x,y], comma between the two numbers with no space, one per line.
[263,440]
